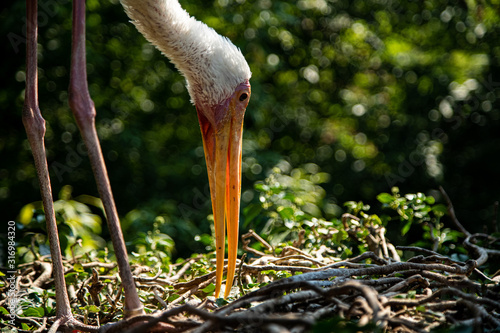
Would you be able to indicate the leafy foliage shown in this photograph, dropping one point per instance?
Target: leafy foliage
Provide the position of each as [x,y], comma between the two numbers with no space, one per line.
[76,222]
[291,213]
[420,209]
[291,202]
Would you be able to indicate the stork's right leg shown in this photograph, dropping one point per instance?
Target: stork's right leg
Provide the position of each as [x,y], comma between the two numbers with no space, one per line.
[83,108]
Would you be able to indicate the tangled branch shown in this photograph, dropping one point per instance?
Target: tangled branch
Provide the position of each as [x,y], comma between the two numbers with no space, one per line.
[293,289]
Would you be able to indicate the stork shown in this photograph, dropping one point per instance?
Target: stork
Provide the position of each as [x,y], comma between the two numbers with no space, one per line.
[217,78]
[218,82]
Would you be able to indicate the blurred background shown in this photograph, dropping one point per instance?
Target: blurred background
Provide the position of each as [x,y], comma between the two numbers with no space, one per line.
[361,96]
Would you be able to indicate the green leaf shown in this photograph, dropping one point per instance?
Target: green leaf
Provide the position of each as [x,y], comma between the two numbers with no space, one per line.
[251,212]
[34,312]
[286,213]
[93,308]
[3,310]
[26,214]
[351,204]
[209,289]
[261,187]
[78,267]
[268,272]
[90,308]
[283,274]
[221,302]
[440,209]
[430,200]
[385,198]
[172,297]
[406,227]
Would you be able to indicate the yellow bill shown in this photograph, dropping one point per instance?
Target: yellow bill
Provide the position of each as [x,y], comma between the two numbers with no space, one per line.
[222,129]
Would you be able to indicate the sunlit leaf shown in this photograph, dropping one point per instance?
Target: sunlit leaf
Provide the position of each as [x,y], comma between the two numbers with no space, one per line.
[34,312]
[385,198]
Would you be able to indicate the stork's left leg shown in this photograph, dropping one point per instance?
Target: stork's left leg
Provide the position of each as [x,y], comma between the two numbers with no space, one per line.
[35,130]
[83,108]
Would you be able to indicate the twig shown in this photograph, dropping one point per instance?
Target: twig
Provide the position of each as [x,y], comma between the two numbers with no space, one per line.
[451,211]
[240,283]
[483,254]
[45,276]
[159,299]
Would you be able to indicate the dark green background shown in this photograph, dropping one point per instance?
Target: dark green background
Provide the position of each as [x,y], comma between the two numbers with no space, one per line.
[376,93]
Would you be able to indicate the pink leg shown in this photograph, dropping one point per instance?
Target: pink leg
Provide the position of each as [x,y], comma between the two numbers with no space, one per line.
[84,112]
[35,129]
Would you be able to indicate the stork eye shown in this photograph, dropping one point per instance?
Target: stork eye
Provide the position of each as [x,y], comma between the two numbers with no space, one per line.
[243,97]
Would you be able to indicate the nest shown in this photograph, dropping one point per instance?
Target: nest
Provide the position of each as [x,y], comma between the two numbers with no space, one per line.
[293,291]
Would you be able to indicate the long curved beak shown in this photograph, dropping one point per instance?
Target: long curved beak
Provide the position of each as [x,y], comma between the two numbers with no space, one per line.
[222,144]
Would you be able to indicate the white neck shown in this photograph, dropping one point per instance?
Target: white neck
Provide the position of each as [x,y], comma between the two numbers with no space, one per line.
[211,64]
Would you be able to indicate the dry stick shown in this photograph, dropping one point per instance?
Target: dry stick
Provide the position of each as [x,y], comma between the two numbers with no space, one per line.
[45,276]
[297,281]
[394,320]
[35,129]
[369,255]
[420,249]
[212,321]
[380,314]
[483,254]
[240,270]
[84,112]
[407,283]
[482,312]
[190,292]
[274,303]
[107,265]
[253,234]
[246,248]
[294,249]
[436,257]
[148,278]
[394,253]
[42,327]
[451,282]
[443,291]
[183,270]
[434,239]
[246,242]
[385,251]
[451,210]
[193,282]
[159,299]
[296,256]
[256,269]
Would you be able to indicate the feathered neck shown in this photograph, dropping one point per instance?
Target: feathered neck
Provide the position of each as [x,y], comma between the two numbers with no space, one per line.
[211,64]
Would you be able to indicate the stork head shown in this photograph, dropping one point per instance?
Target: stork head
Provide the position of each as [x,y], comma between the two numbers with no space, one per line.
[218,81]
[221,128]
[217,78]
